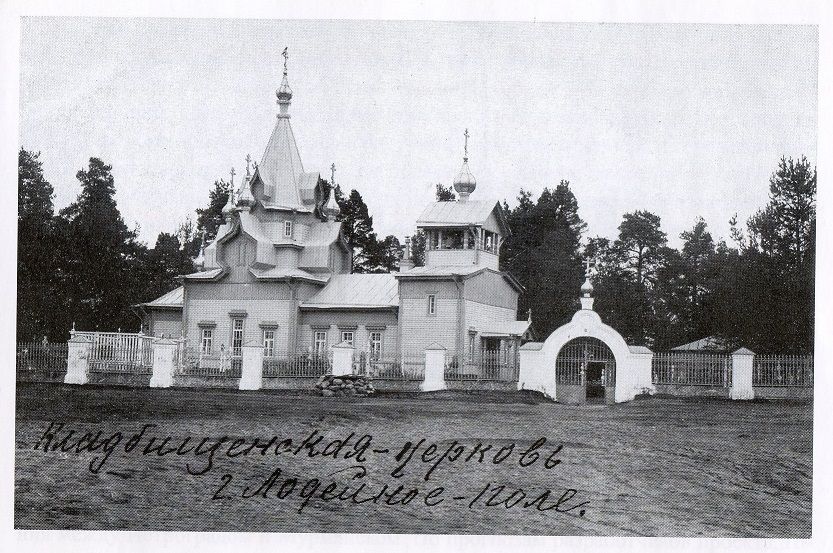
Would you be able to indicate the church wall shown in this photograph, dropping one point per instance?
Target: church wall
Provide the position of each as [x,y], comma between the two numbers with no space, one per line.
[480,258]
[491,289]
[359,322]
[219,313]
[270,302]
[419,329]
[450,257]
[287,257]
[167,322]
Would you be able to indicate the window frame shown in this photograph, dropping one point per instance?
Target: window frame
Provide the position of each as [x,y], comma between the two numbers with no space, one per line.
[316,341]
[432,304]
[352,340]
[371,342]
[237,351]
[209,339]
[268,342]
[287,229]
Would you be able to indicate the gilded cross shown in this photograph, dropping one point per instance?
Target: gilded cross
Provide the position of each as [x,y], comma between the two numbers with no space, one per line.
[285,55]
[587,267]
[232,173]
[333,174]
[248,162]
[466,144]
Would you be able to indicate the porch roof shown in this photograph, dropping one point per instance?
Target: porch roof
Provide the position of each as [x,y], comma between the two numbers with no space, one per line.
[171,300]
[505,329]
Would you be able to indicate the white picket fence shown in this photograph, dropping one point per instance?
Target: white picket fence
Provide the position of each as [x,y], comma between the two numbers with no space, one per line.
[119,352]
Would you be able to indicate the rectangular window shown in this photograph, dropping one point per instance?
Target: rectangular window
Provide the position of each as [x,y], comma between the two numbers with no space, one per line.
[237,337]
[287,228]
[269,343]
[320,345]
[432,304]
[206,342]
[376,344]
[347,336]
[472,336]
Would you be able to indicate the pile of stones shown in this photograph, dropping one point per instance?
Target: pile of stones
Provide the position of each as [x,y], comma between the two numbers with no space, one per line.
[345,385]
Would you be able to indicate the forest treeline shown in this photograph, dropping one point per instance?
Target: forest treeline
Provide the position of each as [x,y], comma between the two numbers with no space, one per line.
[84,265]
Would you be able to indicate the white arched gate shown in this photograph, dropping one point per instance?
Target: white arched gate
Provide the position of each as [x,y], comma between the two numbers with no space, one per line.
[585,370]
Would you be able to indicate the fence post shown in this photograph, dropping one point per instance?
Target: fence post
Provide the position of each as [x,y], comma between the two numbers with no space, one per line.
[164,362]
[343,359]
[251,373]
[434,369]
[742,365]
[78,360]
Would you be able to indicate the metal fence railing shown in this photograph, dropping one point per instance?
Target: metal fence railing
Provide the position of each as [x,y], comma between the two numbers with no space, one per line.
[297,365]
[41,360]
[194,363]
[500,366]
[783,370]
[692,369]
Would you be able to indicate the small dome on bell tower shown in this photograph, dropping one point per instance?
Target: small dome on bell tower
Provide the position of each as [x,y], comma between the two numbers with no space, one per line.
[464,182]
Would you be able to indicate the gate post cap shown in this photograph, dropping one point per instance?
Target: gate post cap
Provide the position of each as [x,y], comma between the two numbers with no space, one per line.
[743,351]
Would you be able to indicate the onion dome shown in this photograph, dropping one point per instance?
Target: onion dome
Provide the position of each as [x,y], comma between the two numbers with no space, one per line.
[464,182]
[229,208]
[200,260]
[284,93]
[245,198]
[587,287]
[331,208]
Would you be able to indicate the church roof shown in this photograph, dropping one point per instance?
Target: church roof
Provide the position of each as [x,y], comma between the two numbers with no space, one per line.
[444,214]
[441,271]
[171,300]
[210,274]
[505,328]
[709,343]
[283,273]
[436,272]
[357,291]
[281,169]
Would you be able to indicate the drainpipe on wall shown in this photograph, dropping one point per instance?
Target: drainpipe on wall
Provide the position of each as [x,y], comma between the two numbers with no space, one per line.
[461,316]
[293,326]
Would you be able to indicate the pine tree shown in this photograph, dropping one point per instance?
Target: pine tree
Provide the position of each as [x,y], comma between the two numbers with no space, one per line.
[101,264]
[210,218]
[35,247]
[542,252]
[445,193]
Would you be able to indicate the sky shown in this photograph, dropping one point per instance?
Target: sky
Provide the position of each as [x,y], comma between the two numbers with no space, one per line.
[680,120]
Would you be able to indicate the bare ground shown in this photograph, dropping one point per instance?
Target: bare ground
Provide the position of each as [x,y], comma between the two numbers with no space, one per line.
[665,467]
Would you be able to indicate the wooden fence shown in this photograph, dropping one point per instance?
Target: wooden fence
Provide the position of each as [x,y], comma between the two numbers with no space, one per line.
[119,352]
